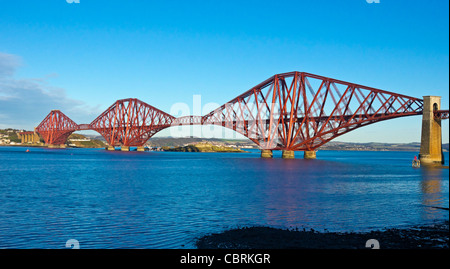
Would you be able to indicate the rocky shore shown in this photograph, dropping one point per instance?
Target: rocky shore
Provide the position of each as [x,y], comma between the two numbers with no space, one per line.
[433,236]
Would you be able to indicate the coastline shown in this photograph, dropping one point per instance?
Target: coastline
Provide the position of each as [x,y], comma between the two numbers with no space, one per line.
[244,151]
[45,147]
[433,236]
[23,146]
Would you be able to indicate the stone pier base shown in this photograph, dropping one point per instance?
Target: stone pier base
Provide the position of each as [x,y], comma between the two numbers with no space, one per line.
[140,148]
[431,140]
[111,148]
[310,154]
[288,154]
[62,146]
[125,148]
[266,153]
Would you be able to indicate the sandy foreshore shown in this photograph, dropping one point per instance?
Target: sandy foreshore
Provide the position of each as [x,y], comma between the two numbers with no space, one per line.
[433,236]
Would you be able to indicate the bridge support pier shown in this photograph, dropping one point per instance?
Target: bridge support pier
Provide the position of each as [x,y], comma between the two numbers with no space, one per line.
[51,146]
[111,148]
[125,148]
[309,154]
[431,140]
[266,153]
[142,148]
[288,154]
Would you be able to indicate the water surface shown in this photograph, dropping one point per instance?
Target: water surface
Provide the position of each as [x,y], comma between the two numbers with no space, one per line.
[109,199]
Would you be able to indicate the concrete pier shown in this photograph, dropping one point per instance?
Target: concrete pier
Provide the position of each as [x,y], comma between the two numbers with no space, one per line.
[431,140]
[288,154]
[309,154]
[141,148]
[125,148]
[111,148]
[266,153]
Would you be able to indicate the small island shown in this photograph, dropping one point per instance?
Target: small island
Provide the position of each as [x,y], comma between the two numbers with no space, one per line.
[203,147]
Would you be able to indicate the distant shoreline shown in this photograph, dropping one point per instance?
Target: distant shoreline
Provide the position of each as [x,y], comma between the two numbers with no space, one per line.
[24,146]
[320,149]
[204,147]
[97,141]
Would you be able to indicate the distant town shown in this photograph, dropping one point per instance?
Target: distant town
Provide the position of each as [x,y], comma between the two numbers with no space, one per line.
[14,137]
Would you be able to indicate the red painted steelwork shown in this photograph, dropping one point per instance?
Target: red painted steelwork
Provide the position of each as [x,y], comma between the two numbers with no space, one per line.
[56,128]
[289,111]
[302,111]
[130,122]
[441,114]
[187,120]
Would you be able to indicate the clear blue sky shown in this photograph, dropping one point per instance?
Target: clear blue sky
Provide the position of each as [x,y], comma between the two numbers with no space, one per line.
[82,57]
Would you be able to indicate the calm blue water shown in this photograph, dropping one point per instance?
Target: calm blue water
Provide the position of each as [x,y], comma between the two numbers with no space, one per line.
[166,200]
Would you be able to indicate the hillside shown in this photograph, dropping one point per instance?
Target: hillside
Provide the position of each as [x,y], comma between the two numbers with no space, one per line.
[203,147]
[332,145]
[183,141]
[81,141]
[376,146]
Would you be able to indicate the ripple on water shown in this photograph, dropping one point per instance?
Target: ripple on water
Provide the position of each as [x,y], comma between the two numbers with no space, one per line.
[165,200]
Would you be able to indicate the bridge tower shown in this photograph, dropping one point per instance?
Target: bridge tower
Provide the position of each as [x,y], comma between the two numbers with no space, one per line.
[431,141]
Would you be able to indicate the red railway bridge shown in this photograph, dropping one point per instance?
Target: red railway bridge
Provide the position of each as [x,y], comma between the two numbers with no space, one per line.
[293,111]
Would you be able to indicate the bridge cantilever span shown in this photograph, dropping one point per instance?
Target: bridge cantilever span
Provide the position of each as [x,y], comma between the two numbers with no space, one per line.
[301,111]
[56,128]
[293,111]
[130,122]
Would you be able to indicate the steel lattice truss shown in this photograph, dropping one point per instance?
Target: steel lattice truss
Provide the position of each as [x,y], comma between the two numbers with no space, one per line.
[289,111]
[130,122]
[187,120]
[301,111]
[441,114]
[56,128]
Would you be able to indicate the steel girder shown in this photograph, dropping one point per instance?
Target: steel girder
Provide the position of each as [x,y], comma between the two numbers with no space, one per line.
[130,122]
[302,111]
[56,128]
[441,114]
[289,111]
